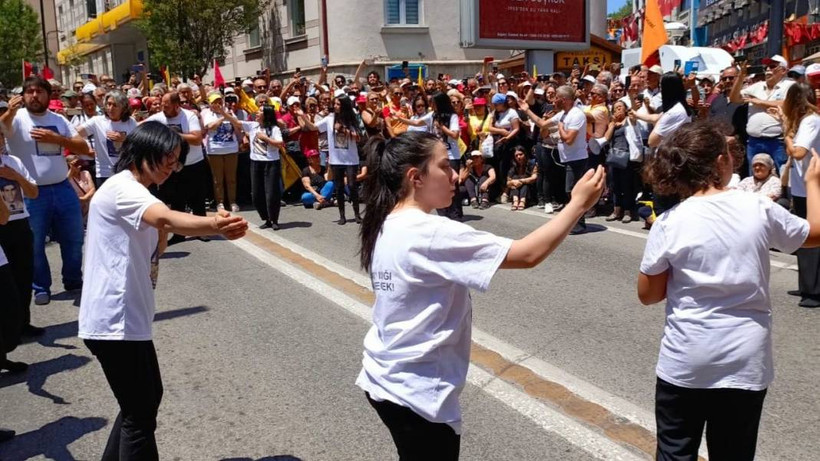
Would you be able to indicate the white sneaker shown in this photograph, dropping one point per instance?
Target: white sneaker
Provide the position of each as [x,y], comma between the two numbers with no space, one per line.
[548,208]
[220,207]
[234,208]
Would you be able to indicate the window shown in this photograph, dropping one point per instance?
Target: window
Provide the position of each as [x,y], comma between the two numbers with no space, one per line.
[297,17]
[254,40]
[402,12]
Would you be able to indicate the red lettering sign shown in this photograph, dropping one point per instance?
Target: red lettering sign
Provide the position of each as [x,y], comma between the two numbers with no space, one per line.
[535,20]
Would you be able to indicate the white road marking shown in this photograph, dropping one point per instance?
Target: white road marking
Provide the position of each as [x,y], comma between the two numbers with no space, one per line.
[549,419]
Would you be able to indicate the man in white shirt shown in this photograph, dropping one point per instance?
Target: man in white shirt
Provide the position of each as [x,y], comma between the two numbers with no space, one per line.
[38,138]
[765,132]
[188,187]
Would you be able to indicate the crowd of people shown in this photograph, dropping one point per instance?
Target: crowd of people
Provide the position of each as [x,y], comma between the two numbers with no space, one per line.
[141,164]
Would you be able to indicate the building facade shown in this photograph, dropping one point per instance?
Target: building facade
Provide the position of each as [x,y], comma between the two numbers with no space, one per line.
[296,34]
[99,37]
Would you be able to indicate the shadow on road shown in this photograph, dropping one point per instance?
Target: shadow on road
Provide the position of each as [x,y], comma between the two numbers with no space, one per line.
[266,458]
[52,440]
[37,374]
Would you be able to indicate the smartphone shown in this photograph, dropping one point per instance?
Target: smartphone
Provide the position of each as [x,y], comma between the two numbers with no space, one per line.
[298,70]
[405,64]
[677,63]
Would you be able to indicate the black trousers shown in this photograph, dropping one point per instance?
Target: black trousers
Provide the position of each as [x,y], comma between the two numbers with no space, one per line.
[17,241]
[808,260]
[731,417]
[266,189]
[454,211]
[416,438]
[11,312]
[132,371]
[187,188]
[340,172]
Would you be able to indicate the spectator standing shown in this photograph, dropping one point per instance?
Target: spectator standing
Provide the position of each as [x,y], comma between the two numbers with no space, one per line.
[38,137]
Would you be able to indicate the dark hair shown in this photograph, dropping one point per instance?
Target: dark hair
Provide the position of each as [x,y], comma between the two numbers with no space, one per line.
[387,163]
[346,117]
[36,80]
[268,118]
[444,108]
[150,143]
[673,92]
[687,161]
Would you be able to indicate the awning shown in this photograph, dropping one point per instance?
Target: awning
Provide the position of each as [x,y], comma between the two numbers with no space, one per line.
[110,20]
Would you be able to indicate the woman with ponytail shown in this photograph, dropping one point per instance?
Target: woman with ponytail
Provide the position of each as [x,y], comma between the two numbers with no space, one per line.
[708,257]
[422,268]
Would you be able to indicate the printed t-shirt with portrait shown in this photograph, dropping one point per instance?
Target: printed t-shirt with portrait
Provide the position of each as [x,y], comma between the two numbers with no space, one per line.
[44,161]
[10,191]
[671,120]
[807,137]
[261,151]
[718,307]
[417,352]
[118,297]
[222,139]
[341,149]
[184,122]
[574,119]
[108,151]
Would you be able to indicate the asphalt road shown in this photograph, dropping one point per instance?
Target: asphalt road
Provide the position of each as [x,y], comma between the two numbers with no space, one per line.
[259,349]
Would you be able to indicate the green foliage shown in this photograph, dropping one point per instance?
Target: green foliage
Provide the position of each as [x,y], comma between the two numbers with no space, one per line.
[20,38]
[623,11]
[186,35]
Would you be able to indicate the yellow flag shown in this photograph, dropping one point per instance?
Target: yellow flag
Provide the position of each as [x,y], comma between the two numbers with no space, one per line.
[654,34]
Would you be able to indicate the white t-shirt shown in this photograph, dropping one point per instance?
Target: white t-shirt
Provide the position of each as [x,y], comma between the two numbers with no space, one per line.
[44,161]
[671,120]
[185,122]
[417,352]
[10,191]
[261,151]
[575,119]
[760,123]
[807,137]
[452,144]
[341,149]
[427,119]
[108,151]
[118,297]
[222,139]
[718,310]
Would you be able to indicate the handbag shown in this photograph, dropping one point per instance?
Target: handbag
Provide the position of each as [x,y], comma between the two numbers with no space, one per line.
[617,158]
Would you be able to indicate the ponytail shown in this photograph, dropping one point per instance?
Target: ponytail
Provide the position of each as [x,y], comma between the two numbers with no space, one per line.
[387,164]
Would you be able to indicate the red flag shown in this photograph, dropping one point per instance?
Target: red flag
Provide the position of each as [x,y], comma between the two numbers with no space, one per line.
[219,81]
[47,73]
[27,69]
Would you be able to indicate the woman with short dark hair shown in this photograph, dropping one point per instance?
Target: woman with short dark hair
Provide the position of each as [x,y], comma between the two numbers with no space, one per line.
[122,253]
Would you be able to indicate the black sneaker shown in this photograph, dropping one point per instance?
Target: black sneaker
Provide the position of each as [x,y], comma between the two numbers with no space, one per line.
[6,435]
[13,367]
[30,331]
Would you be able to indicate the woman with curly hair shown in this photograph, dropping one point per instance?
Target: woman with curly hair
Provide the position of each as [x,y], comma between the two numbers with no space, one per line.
[708,257]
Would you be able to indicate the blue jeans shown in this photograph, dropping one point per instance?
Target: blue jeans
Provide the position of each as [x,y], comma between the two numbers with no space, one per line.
[772,146]
[57,210]
[309,199]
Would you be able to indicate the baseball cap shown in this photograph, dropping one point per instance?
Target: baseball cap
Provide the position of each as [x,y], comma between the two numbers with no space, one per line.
[656,69]
[813,69]
[776,59]
[213,97]
[293,100]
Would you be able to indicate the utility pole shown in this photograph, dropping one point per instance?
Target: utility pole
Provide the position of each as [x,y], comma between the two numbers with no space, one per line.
[775,43]
[43,25]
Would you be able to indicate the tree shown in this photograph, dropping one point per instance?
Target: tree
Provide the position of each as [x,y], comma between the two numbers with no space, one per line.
[20,39]
[187,35]
[623,11]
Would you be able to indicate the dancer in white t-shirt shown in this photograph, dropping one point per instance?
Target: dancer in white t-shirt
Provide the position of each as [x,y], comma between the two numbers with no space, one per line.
[122,253]
[708,257]
[422,268]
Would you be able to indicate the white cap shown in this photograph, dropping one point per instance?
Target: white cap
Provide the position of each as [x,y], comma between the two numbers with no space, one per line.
[339,94]
[776,59]
[590,79]
[512,94]
[813,69]
[539,91]
[293,100]
[656,69]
